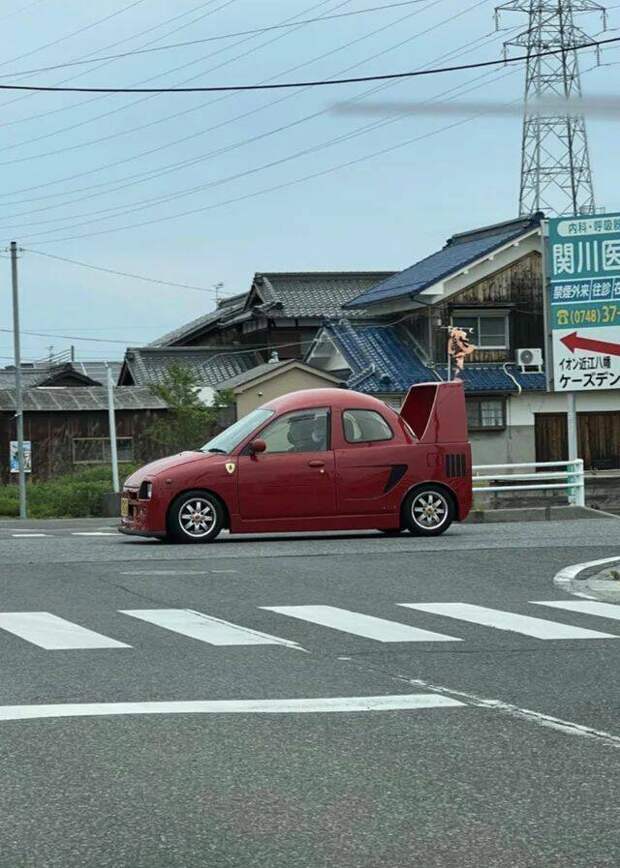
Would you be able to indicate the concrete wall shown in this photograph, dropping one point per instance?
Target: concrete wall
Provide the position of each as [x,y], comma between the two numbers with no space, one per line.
[281,384]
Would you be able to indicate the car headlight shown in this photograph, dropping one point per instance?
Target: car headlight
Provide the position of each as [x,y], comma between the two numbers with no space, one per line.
[146,490]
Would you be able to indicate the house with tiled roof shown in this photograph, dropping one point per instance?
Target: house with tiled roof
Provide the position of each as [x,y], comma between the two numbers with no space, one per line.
[281,311]
[488,281]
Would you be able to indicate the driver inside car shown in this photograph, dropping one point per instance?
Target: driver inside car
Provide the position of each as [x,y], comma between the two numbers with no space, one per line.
[307,434]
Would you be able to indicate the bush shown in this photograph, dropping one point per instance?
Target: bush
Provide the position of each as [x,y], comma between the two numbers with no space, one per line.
[76,496]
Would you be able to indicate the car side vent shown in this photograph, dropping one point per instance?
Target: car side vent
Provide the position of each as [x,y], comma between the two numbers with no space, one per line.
[455,465]
[397,471]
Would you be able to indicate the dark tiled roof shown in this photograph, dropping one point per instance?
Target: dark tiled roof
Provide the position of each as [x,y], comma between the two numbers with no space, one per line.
[460,251]
[313,295]
[33,376]
[65,399]
[226,309]
[381,361]
[210,365]
[493,378]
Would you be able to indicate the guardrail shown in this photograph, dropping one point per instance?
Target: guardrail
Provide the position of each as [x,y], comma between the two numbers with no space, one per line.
[572,479]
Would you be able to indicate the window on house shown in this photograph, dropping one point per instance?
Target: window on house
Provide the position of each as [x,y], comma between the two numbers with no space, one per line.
[488,332]
[486,414]
[365,426]
[96,450]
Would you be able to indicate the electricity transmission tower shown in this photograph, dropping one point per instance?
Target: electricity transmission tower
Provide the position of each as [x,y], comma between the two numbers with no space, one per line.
[555,162]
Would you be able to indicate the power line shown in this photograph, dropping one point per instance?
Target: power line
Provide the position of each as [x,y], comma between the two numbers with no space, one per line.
[256,31]
[315,83]
[149,175]
[98,140]
[119,273]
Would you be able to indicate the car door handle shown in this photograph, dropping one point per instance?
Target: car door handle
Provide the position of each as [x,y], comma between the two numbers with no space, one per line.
[316,462]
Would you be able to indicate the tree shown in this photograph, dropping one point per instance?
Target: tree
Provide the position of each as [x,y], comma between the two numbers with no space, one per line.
[189,423]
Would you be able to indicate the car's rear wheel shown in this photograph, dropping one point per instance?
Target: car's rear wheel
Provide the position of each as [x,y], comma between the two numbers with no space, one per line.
[428,510]
[195,517]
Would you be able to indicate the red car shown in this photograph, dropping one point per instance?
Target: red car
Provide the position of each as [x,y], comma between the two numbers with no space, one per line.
[315,460]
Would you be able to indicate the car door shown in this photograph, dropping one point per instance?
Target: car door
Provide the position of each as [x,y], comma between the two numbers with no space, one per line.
[370,462]
[294,477]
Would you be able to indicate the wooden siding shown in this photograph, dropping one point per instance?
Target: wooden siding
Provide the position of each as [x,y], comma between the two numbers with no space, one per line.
[599,438]
[52,437]
[517,289]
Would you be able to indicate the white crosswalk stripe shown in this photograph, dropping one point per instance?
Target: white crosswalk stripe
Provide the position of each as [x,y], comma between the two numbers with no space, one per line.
[53,633]
[538,628]
[359,624]
[205,628]
[584,607]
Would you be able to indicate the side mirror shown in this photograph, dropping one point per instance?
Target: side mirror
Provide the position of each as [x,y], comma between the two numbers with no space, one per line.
[257,446]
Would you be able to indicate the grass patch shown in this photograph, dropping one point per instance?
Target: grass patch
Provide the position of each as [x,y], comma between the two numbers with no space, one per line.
[79,495]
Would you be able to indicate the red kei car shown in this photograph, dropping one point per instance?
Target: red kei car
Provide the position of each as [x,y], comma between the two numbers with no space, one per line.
[315,460]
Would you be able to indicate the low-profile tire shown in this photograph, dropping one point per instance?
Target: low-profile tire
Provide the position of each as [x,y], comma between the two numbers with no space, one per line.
[391,531]
[195,517]
[428,510]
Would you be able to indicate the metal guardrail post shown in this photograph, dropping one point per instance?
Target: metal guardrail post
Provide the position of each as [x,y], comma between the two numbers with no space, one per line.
[580,492]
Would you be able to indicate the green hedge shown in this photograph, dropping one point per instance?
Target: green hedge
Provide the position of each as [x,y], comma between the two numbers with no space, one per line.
[77,496]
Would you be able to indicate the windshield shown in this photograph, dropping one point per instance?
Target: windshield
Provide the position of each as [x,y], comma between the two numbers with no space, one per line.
[236,434]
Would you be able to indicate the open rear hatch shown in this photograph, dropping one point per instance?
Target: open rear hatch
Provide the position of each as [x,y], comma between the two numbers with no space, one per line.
[436,412]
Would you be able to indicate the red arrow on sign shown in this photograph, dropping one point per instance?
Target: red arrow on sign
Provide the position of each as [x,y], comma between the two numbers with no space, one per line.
[574,342]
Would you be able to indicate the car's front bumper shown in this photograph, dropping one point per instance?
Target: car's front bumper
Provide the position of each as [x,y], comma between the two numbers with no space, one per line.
[136,531]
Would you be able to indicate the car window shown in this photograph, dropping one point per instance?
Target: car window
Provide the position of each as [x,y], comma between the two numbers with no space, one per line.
[229,439]
[365,426]
[301,431]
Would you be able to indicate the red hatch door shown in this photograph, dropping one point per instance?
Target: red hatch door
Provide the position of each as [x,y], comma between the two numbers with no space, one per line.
[436,412]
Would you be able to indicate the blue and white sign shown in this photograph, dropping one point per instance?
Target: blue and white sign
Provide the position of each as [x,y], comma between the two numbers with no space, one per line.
[584,302]
[14,459]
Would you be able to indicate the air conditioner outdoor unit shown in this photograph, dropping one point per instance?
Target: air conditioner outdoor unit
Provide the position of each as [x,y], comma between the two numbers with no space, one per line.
[530,357]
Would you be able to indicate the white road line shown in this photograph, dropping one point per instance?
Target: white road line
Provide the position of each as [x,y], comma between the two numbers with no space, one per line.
[538,628]
[27,535]
[92,533]
[53,633]
[205,628]
[585,607]
[358,624]
[405,702]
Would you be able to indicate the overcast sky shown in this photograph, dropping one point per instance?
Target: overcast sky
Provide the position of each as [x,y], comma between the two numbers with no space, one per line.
[97,178]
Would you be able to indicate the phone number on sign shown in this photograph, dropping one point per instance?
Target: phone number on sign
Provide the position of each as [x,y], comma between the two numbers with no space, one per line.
[605,314]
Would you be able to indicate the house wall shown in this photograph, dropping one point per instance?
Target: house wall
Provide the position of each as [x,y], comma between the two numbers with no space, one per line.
[52,436]
[516,287]
[517,444]
[281,384]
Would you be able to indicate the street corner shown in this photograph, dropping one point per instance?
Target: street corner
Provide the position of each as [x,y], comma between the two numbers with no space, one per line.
[597,580]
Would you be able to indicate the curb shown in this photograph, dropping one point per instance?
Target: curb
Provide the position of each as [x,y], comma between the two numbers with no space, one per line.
[538,513]
[594,587]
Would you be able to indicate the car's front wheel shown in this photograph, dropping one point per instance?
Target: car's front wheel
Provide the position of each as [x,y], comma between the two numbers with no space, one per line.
[195,517]
[428,511]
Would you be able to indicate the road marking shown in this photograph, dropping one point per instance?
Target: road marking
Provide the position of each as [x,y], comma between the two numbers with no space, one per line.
[27,535]
[358,624]
[538,628]
[547,721]
[585,607]
[53,633]
[205,628]
[405,702]
[92,533]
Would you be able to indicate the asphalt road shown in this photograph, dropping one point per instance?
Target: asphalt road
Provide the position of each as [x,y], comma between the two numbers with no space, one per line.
[480,729]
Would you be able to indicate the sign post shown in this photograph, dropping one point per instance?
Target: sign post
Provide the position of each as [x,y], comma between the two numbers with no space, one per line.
[582,307]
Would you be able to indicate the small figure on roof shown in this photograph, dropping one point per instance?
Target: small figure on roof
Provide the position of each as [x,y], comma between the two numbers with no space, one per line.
[459,347]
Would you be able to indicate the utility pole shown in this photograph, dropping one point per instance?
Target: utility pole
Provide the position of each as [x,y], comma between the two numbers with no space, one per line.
[555,161]
[19,398]
[112,422]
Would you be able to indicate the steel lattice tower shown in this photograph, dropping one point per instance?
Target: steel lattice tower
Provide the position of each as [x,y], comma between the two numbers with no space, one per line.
[555,162]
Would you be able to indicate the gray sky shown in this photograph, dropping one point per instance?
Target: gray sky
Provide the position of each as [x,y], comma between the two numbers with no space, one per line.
[56,150]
